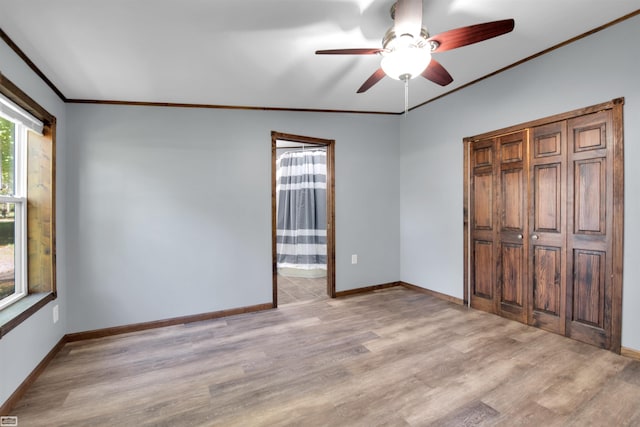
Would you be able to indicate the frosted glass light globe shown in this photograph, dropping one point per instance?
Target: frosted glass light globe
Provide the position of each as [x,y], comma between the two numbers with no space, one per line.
[406,62]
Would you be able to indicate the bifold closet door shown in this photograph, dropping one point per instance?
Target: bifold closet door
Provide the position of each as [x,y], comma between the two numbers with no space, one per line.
[511,243]
[499,223]
[482,224]
[590,228]
[544,229]
[547,232]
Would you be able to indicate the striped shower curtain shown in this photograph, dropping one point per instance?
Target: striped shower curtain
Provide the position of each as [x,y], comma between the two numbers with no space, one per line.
[301,197]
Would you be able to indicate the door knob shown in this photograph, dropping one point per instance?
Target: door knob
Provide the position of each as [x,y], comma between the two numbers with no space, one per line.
[520,236]
[534,237]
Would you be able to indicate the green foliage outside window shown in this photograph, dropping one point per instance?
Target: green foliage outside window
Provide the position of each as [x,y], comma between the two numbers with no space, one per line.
[7,210]
[7,153]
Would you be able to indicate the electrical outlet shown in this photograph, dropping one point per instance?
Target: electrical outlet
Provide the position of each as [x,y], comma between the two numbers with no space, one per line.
[354,259]
[56,314]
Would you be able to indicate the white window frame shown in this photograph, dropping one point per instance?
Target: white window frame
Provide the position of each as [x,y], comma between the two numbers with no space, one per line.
[19,199]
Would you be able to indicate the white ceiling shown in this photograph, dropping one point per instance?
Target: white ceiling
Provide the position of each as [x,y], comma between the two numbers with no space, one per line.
[260,53]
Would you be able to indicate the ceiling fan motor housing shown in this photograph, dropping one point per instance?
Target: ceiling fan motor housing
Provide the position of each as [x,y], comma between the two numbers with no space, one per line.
[390,38]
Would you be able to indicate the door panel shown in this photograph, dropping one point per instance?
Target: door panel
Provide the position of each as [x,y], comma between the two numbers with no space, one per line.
[547,282]
[511,148]
[588,287]
[547,144]
[547,193]
[512,256]
[511,265]
[483,155]
[589,202]
[512,199]
[483,269]
[483,197]
[483,231]
[589,242]
[546,286]
[588,135]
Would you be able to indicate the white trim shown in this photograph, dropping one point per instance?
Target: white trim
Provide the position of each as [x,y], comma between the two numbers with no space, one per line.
[19,200]
[12,199]
[7,301]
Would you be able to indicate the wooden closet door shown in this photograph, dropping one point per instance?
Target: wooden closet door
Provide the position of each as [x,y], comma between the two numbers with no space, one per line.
[544,211]
[547,233]
[590,229]
[482,226]
[511,266]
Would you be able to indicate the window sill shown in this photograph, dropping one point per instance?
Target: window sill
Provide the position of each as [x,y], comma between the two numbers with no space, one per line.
[18,312]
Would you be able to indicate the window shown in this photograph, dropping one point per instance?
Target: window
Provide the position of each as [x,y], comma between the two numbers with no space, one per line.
[12,211]
[27,206]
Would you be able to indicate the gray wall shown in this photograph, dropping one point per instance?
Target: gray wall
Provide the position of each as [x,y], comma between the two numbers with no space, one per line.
[26,345]
[593,70]
[169,209]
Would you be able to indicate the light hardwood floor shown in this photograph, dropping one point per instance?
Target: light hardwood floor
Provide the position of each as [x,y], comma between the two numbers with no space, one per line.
[393,357]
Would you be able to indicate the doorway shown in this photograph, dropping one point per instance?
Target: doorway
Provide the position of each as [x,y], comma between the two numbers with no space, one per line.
[302,218]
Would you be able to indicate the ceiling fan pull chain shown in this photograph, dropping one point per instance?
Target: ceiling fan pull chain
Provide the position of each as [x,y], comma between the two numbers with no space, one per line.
[406,96]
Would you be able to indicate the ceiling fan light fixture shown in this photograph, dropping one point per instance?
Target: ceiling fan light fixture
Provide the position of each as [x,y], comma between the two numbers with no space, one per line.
[405,62]
[407,46]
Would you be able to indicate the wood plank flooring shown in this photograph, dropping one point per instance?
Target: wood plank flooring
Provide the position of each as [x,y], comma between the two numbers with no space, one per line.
[388,358]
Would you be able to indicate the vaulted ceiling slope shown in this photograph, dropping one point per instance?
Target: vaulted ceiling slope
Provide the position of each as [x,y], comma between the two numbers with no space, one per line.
[261,53]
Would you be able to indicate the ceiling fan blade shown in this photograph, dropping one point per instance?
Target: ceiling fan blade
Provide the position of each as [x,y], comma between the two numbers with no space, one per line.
[408,18]
[375,78]
[437,74]
[464,36]
[363,51]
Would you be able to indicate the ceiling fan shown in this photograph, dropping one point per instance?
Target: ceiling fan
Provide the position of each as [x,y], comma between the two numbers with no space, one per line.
[407,46]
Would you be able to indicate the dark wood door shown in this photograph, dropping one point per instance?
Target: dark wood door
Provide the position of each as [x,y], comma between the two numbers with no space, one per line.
[511,266]
[544,223]
[589,243]
[483,226]
[547,232]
